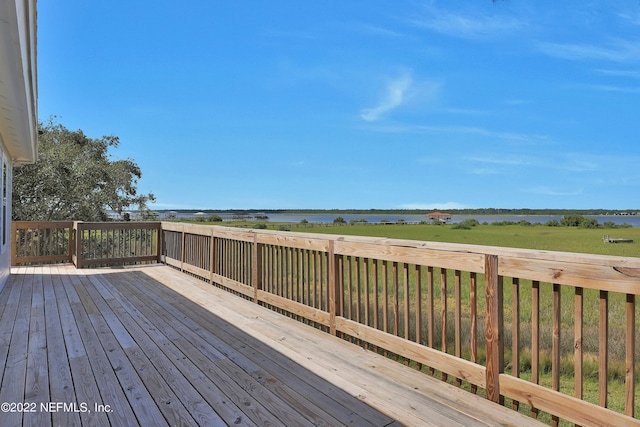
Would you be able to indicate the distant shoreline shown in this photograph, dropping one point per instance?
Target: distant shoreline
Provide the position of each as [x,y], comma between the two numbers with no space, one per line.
[483,211]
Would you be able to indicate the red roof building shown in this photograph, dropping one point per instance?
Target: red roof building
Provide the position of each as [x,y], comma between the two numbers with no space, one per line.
[442,217]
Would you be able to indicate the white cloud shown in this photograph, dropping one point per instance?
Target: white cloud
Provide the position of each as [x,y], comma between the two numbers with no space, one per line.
[395,95]
[469,26]
[617,50]
[620,73]
[443,205]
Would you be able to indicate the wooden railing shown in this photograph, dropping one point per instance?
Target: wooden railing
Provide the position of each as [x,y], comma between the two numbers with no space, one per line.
[529,329]
[41,242]
[500,321]
[85,243]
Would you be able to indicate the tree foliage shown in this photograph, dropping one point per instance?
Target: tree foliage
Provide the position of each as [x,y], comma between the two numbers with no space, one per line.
[75,178]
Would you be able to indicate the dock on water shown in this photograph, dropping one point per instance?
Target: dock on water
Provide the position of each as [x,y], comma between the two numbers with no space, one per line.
[607,239]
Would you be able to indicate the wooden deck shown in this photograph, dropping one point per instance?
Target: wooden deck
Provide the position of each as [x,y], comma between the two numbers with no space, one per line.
[151,346]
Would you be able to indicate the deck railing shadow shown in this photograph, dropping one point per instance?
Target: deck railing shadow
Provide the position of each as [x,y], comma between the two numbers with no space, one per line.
[503,322]
[257,370]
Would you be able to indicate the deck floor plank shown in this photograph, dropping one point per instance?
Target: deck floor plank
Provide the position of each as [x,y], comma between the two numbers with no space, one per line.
[191,400]
[84,384]
[163,348]
[257,404]
[151,340]
[132,386]
[266,365]
[37,381]
[60,379]
[15,367]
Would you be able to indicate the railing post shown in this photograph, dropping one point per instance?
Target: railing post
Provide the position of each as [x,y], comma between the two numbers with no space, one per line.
[493,328]
[212,254]
[333,292]
[78,231]
[182,251]
[159,242]
[256,270]
[14,243]
[72,242]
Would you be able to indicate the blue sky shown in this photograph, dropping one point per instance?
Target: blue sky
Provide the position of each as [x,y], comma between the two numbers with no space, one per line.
[355,104]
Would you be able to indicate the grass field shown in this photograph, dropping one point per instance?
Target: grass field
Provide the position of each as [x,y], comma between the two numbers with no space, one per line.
[566,239]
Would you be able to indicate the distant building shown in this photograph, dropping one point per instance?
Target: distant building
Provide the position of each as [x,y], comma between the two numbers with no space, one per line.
[441,217]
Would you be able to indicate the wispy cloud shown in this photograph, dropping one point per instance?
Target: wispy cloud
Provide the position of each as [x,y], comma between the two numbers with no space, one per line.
[468,26]
[549,191]
[430,205]
[497,165]
[395,94]
[634,74]
[617,50]
[513,137]
[377,30]
[614,88]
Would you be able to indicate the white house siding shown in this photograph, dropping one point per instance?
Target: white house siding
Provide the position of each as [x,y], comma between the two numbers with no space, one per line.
[6,173]
[18,107]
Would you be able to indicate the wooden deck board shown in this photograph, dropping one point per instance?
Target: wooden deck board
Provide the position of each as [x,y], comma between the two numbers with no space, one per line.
[162,348]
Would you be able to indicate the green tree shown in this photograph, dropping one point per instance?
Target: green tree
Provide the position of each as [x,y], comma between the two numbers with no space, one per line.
[75,178]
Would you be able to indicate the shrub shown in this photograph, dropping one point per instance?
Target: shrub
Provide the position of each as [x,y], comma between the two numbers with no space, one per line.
[460,226]
[502,223]
[578,221]
[214,218]
[466,224]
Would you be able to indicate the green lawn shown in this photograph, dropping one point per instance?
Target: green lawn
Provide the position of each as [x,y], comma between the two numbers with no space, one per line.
[568,239]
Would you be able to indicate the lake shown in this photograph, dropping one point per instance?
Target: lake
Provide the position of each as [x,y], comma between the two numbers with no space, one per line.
[633,220]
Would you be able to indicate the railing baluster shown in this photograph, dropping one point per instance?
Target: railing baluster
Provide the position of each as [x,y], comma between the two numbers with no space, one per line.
[418,308]
[430,311]
[535,338]
[493,328]
[603,354]
[474,323]
[630,360]
[376,293]
[458,315]
[367,290]
[407,304]
[555,345]
[578,357]
[443,314]
[515,333]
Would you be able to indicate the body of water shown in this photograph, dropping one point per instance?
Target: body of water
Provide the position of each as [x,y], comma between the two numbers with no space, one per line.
[633,220]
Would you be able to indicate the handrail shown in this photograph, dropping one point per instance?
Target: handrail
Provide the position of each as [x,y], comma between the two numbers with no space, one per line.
[428,304]
[85,243]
